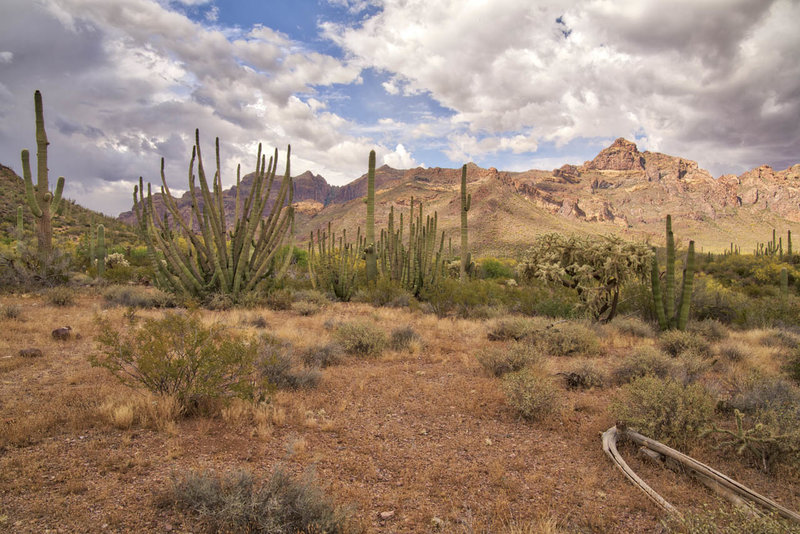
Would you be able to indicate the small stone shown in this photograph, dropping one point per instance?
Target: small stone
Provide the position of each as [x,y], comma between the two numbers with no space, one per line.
[168,527]
[387,515]
[437,523]
[30,353]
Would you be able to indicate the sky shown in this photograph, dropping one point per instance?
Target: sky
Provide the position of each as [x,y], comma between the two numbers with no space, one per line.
[511,84]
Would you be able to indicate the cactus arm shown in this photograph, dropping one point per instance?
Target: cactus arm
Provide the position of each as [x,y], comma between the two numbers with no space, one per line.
[57,204]
[686,293]
[30,192]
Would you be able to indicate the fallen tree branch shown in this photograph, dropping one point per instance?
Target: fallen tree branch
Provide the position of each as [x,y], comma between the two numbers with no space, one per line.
[731,489]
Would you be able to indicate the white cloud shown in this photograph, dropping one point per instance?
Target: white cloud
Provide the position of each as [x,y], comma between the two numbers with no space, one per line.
[6,56]
[401,159]
[701,76]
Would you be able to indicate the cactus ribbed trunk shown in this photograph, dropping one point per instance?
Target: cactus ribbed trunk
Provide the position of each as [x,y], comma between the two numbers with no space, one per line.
[370,251]
[686,293]
[658,297]
[101,250]
[665,306]
[43,204]
[670,290]
[466,201]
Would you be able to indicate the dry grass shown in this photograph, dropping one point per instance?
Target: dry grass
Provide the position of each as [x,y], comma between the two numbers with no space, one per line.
[423,433]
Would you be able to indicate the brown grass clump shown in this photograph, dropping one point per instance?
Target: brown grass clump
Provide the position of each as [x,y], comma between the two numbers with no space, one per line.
[532,394]
[361,338]
[498,361]
[674,342]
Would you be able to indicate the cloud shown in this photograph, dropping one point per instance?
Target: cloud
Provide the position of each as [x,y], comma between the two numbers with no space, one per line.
[127,82]
[401,159]
[704,77]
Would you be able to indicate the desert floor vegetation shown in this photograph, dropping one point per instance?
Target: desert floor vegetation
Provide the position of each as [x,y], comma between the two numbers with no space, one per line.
[449,425]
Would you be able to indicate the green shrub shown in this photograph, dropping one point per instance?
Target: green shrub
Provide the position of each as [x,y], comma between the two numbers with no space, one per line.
[306,308]
[766,394]
[674,342]
[494,268]
[584,375]
[236,502]
[664,409]
[384,292]
[178,355]
[731,520]
[312,296]
[360,338]
[709,329]
[644,361]
[60,296]
[323,355]
[500,361]
[633,326]
[514,328]
[567,339]
[138,297]
[11,311]
[218,302]
[276,365]
[452,297]
[540,299]
[532,394]
[280,299]
[404,337]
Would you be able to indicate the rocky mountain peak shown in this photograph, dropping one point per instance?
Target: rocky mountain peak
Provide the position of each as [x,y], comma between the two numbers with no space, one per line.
[622,155]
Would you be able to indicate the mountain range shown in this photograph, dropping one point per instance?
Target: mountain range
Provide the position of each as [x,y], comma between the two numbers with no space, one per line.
[621,191]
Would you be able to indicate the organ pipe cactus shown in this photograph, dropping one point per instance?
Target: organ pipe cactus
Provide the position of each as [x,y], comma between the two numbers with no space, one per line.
[43,204]
[466,202]
[664,303]
[369,252]
[216,260]
[333,263]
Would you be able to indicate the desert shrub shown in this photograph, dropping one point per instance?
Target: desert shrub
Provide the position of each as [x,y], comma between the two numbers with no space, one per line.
[532,394]
[360,338]
[664,409]
[452,297]
[500,361]
[584,375]
[633,326]
[60,296]
[690,366]
[323,355]
[709,329]
[178,355]
[792,367]
[514,328]
[711,300]
[306,308]
[765,394]
[276,365]
[138,297]
[257,321]
[218,302]
[280,299]
[674,342]
[404,337]
[495,268]
[781,339]
[730,520]
[313,296]
[644,361]
[384,292]
[236,502]
[567,339]
[734,352]
[541,299]
[11,311]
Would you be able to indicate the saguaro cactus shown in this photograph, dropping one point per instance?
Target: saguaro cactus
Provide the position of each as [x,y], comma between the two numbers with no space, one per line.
[369,252]
[466,202]
[664,303]
[43,204]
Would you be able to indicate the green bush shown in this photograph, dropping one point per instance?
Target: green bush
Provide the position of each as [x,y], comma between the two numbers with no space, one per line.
[515,357]
[633,326]
[178,355]
[664,409]
[494,268]
[323,355]
[60,296]
[644,361]
[674,342]
[567,339]
[384,292]
[360,338]
[514,328]
[276,365]
[538,298]
[236,502]
[709,329]
[138,297]
[404,337]
[584,375]
[532,394]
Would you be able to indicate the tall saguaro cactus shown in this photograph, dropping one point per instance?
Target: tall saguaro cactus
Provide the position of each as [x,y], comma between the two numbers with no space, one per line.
[664,303]
[43,204]
[101,250]
[466,202]
[370,252]
[230,262]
